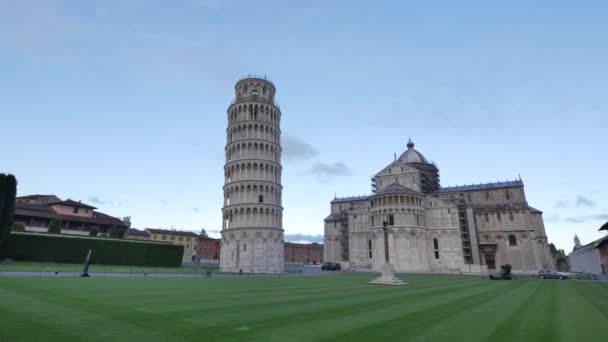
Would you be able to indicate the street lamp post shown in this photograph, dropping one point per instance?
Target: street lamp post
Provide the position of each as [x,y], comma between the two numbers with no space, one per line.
[385,230]
[387,276]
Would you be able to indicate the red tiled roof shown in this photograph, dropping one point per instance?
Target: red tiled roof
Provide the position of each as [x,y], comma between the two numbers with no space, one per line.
[172,232]
[133,231]
[45,211]
[294,244]
[72,203]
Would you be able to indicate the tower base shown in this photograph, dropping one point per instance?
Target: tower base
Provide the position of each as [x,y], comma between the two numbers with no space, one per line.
[252,251]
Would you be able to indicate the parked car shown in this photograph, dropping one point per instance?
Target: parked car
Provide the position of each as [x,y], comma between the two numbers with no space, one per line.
[551,274]
[330,266]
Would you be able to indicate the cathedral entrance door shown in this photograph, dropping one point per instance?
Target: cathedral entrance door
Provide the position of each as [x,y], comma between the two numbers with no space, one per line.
[490,261]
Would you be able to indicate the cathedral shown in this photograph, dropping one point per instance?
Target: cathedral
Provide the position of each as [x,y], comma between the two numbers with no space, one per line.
[459,229]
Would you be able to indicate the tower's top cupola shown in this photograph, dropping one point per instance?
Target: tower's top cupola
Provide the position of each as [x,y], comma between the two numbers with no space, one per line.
[255,86]
[411,155]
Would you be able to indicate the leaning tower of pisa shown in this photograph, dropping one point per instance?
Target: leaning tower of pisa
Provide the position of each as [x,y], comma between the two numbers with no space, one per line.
[252,225]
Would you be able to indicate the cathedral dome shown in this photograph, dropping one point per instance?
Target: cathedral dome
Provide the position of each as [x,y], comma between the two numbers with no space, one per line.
[412,155]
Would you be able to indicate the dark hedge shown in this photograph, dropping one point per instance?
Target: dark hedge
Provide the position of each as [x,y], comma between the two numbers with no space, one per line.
[8,191]
[70,249]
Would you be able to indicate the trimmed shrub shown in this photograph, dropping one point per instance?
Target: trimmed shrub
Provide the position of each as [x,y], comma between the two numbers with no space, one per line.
[69,249]
[117,232]
[55,226]
[18,227]
[8,192]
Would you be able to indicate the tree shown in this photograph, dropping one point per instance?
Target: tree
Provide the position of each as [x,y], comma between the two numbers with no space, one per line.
[94,231]
[55,226]
[18,227]
[117,232]
[204,233]
[8,192]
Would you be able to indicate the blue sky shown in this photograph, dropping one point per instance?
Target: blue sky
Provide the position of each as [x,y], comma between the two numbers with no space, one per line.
[122,104]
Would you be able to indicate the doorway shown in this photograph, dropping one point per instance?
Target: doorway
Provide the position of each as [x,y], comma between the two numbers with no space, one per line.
[490,261]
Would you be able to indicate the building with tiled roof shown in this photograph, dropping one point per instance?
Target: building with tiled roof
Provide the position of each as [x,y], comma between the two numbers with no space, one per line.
[137,234]
[37,211]
[472,228]
[188,239]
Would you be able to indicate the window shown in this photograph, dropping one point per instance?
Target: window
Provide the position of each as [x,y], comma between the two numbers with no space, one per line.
[486,217]
[372,220]
[86,211]
[498,217]
[510,216]
[164,237]
[181,238]
[75,210]
[391,220]
[369,248]
[436,248]
[172,238]
[487,196]
[261,199]
[155,237]
[507,194]
[188,246]
[187,239]
[244,247]
[512,240]
[449,211]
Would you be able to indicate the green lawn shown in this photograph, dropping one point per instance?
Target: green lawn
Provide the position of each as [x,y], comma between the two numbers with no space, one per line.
[327,308]
[53,267]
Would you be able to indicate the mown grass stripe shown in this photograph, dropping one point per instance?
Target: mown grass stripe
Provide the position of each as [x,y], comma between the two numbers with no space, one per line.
[342,307]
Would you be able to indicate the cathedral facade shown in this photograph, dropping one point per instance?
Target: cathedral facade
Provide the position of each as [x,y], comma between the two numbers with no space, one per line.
[460,229]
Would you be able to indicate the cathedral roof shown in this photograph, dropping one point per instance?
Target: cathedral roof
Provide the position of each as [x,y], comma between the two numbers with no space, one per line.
[508,184]
[332,217]
[350,199]
[411,155]
[504,207]
[397,189]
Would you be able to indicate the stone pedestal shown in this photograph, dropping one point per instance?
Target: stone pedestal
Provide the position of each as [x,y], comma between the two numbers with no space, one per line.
[388,277]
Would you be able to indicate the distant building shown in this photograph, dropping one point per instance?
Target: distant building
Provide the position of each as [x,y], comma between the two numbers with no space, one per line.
[136,234]
[177,237]
[300,253]
[590,258]
[208,248]
[560,259]
[37,211]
